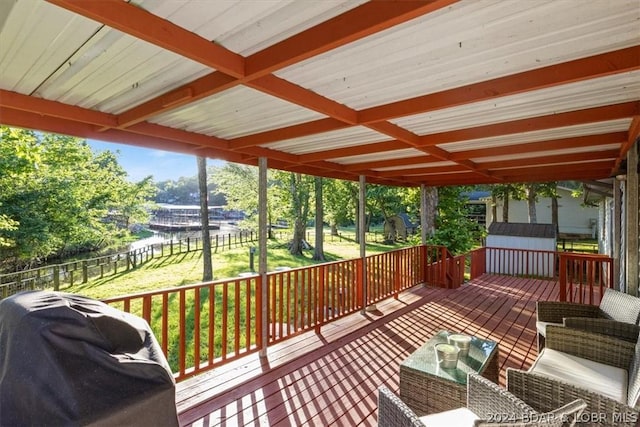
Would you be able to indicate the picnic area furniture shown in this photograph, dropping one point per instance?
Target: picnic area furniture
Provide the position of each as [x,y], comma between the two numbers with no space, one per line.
[617,315]
[428,388]
[601,370]
[486,404]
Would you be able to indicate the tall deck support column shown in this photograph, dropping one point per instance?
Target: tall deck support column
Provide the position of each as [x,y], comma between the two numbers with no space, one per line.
[631,193]
[617,233]
[362,238]
[423,214]
[262,254]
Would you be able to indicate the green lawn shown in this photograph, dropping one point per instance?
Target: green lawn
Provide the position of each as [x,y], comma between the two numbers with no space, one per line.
[186,268]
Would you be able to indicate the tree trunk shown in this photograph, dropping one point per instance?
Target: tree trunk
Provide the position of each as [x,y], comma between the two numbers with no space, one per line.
[432,210]
[334,229]
[357,223]
[531,202]
[494,208]
[554,214]
[298,237]
[300,208]
[318,253]
[207,271]
[505,207]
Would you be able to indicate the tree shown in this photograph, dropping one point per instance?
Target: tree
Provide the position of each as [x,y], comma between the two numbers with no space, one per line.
[340,201]
[384,201]
[300,193]
[531,191]
[506,192]
[550,189]
[57,196]
[239,185]
[318,253]
[453,228]
[207,269]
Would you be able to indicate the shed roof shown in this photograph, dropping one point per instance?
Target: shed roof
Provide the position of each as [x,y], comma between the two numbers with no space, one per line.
[434,92]
[521,229]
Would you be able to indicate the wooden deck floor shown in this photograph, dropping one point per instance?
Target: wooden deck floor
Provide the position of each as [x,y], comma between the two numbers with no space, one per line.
[332,378]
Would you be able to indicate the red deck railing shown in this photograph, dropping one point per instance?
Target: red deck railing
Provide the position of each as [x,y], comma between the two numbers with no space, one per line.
[206,325]
[583,277]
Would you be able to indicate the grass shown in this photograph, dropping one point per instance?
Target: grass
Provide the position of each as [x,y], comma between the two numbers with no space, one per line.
[186,268]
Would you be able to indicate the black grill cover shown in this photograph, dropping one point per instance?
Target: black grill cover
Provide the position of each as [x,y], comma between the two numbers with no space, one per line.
[67,360]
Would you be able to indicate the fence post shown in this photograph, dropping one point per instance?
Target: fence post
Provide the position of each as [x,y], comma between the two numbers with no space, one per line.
[396,274]
[217,242]
[320,310]
[360,283]
[188,244]
[229,240]
[563,279]
[85,272]
[56,277]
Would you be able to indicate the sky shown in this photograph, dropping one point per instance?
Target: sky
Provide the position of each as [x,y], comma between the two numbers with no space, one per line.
[142,162]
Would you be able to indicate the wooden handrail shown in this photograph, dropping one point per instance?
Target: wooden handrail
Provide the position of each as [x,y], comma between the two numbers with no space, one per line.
[584,277]
[220,321]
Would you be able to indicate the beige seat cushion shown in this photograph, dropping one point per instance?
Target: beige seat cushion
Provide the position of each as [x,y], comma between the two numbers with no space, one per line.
[542,327]
[593,376]
[460,417]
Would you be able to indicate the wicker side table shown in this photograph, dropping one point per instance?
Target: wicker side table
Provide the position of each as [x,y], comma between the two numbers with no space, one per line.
[427,388]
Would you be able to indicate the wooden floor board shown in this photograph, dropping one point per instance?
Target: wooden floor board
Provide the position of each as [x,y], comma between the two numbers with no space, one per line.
[332,378]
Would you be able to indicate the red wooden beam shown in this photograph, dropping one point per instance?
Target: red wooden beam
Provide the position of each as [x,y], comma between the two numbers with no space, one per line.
[303,97]
[352,25]
[196,90]
[289,132]
[632,138]
[26,103]
[404,161]
[374,147]
[355,24]
[561,160]
[599,165]
[570,118]
[602,65]
[559,174]
[139,23]
[61,126]
[422,171]
[533,147]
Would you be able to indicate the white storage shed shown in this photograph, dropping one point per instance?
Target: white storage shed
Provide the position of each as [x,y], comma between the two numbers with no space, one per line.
[531,247]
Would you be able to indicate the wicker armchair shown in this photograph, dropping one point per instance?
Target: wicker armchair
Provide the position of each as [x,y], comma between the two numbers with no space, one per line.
[487,405]
[601,370]
[617,315]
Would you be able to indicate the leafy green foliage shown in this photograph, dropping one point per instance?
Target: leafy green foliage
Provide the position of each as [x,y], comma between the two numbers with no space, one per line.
[57,195]
[454,228]
[185,191]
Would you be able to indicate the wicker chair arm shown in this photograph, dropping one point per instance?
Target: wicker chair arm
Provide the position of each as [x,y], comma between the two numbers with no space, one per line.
[555,311]
[612,328]
[596,347]
[486,399]
[545,394]
[393,412]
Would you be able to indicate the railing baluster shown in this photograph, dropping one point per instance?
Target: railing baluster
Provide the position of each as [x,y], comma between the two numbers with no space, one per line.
[182,328]
[236,320]
[196,329]
[225,319]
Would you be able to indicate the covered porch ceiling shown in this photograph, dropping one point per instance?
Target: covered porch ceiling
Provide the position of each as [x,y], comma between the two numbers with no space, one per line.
[437,92]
